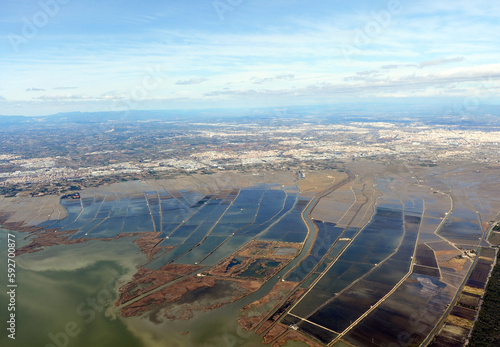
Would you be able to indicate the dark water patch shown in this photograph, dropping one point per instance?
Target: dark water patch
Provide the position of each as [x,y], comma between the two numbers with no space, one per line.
[271,204]
[337,248]
[200,232]
[184,231]
[203,200]
[208,246]
[171,203]
[371,246]
[138,223]
[89,212]
[107,229]
[290,320]
[260,268]
[73,206]
[211,215]
[105,209]
[290,228]
[137,206]
[172,241]
[173,211]
[227,229]
[328,233]
[234,262]
[350,232]
[425,256]
[192,197]
[176,216]
[322,267]
[47,223]
[119,209]
[256,229]
[87,227]
[428,271]
[407,316]
[168,228]
[179,195]
[338,277]
[205,212]
[359,298]
[462,226]
[308,282]
[244,208]
[79,224]
[318,332]
[349,306]
[73,209]
[192,257]
[229,246]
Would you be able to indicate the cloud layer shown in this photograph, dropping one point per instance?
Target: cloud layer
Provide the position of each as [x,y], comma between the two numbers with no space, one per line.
[174,54]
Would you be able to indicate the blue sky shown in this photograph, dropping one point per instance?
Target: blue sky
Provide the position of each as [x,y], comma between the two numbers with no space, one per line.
[76,55]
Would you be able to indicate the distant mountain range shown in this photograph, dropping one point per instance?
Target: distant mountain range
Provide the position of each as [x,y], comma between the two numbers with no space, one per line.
[450,114]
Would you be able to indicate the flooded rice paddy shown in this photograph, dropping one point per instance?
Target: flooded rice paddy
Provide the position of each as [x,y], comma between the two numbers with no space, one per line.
[386,280]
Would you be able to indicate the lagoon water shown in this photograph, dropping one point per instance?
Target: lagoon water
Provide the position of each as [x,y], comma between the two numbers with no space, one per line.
[57,288]
[53,288]
[66,293]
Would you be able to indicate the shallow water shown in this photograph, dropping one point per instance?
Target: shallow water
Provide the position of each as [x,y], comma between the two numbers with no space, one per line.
[56,290]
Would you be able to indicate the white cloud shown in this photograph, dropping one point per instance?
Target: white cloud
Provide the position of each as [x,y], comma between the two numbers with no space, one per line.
[286,77]
[64,88]
[440,61]
[191,81]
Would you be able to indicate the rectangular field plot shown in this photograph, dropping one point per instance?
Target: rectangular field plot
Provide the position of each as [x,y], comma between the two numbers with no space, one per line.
[425,256]
[110,227]
[244,207]
[272,203]
[229,246]
[462,227]
[348,306]
[479,275]
[428,229]
[410,313]
[378,240]
[328,234]
[138,223]
[469,300]
[85,227]
[290,227]
[317,331]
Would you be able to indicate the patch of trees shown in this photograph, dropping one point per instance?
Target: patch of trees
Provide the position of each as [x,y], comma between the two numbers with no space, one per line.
[486,331]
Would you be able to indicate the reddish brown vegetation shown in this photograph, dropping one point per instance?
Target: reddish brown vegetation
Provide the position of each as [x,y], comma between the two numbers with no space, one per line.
[146,280]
